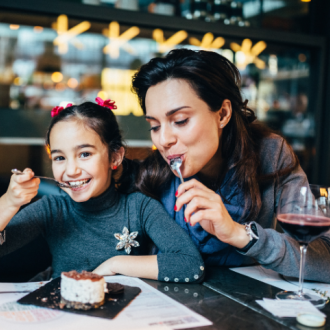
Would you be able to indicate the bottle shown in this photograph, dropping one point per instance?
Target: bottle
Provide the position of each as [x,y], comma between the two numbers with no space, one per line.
[166,7]
[186,9]
[220,10]
[200,9]
[127,4]
[236,13]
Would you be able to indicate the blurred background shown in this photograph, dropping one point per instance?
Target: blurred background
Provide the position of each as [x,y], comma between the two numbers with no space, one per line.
[58,52]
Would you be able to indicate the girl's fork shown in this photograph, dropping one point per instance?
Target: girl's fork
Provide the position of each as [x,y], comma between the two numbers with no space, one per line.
[63,185]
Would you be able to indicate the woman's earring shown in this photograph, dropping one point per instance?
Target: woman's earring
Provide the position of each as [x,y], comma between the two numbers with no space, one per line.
[221,126]
[114,167]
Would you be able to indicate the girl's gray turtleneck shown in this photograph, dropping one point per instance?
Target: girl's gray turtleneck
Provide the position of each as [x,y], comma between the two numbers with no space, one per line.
[81,235]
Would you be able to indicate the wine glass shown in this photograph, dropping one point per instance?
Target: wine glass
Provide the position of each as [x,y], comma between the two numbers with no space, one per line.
[304,214]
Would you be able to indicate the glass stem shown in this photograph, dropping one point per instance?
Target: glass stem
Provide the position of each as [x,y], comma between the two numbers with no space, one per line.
[303,249]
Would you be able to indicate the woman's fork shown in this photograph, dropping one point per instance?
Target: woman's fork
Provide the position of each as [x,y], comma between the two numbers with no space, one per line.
[175,164]
[63,185]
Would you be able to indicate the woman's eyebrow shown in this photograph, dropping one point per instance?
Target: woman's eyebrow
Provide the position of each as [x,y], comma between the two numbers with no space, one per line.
[169,113]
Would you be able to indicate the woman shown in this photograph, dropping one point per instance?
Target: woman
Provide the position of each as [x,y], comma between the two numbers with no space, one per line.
[234,168]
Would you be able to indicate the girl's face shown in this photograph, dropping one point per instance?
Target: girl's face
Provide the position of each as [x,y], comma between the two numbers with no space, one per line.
[79,156]
[182,125]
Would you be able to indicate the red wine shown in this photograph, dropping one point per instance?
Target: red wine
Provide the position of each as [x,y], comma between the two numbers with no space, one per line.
[302,227]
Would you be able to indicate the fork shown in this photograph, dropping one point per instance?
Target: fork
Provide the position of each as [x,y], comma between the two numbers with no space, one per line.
[175,164]
[63,185]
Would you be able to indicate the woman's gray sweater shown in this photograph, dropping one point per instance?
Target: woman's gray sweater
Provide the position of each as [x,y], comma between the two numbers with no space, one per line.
[279,251]
[81,235]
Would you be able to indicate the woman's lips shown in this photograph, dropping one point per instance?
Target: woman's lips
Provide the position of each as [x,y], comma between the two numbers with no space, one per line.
[175,156]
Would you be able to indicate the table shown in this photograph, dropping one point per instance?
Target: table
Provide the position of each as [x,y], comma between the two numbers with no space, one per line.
[228,300]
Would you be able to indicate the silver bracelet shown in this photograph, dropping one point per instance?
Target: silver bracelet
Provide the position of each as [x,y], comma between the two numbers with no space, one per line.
[2,237]
[250,232]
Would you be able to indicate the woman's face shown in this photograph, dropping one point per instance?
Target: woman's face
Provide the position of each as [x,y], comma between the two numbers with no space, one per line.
[81,159]
[182,125]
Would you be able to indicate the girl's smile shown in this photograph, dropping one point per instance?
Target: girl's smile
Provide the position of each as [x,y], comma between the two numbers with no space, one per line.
[81,159]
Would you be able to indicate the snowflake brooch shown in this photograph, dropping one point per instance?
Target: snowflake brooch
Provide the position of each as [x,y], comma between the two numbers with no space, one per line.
[126,240]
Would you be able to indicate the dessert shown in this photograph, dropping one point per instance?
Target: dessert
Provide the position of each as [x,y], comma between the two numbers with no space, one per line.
[83,290]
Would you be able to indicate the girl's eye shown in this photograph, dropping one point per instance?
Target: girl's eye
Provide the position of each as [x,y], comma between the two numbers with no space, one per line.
[182,122]
[85,155]
[58,158]
[154,128]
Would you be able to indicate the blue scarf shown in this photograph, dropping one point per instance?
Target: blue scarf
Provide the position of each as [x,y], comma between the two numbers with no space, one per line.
[213,251]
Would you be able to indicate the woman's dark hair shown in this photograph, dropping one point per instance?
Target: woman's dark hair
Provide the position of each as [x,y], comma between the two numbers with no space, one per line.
[104,123]
[214,79]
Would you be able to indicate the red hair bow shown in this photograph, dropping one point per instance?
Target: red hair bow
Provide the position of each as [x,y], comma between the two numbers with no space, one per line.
[107,103]
[55,111]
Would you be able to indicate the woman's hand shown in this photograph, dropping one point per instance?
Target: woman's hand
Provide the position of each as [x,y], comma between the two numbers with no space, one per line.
[22,188]
[106,268]
[205,207]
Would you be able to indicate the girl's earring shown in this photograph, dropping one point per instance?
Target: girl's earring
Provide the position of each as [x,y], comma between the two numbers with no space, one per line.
[114,167]
[221,126]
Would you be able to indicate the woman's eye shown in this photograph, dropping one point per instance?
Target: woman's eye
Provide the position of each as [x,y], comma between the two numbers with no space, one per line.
[154,128]
[85,155]
[58,158]
[181,122]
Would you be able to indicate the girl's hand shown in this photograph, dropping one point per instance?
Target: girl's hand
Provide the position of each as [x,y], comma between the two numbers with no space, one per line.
[106,268]
[22,188]
[205,207]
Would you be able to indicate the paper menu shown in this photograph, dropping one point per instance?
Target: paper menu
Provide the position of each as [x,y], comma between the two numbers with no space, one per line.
[273,278]
[21,287]
[289,308]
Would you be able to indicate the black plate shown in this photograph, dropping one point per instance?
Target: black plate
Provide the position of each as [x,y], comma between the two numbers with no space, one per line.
[52,292]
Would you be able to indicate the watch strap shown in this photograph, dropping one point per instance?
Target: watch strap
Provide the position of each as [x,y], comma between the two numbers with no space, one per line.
[2,237]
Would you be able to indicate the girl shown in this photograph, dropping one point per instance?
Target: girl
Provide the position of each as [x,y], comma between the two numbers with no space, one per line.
[234,168]
[93,226]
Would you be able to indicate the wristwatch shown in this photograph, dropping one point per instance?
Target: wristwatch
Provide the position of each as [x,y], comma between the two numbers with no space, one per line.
[2,237]
[251,231]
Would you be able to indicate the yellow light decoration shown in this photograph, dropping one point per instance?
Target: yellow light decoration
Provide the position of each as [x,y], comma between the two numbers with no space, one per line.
[246,54]
[65,35]
[323,192]
[57,77]
[73,83]
[166,45]
[116,85]
[117,40]
[208,41]
[103,95]
[17,81]
[14,26]
[305,0]
[48,150]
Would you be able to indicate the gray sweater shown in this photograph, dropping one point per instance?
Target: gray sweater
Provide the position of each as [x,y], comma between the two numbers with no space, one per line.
[81,235]
[275,250]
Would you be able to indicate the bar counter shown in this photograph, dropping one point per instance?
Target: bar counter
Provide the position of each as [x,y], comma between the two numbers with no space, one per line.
[228,300]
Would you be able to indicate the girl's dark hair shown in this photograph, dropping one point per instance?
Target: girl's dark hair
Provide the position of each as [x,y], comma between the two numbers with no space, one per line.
[104,123]
[214,79]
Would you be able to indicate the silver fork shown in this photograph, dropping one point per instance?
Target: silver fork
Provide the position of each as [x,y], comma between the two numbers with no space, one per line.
[63,185]
[175,164]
